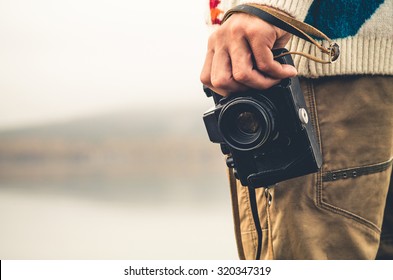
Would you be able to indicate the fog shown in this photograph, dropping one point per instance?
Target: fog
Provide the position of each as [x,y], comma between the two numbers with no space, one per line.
[103,153]
[65,59]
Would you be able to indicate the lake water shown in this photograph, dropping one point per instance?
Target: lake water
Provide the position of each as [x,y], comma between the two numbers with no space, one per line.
[92,219]
[112,187]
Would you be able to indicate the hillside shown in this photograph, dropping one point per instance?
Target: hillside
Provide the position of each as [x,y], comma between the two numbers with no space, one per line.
[120,150]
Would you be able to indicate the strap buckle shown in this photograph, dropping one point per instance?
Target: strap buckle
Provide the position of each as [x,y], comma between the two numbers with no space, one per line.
[334,52]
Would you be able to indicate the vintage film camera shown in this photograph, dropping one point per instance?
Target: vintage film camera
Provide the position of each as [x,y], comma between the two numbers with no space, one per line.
[267,135]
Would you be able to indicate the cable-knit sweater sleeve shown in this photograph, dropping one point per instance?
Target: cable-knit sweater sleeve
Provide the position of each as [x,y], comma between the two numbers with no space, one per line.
[362,29]
[296,8]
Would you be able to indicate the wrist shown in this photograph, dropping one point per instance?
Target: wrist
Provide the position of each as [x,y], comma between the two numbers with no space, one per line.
[279,32]
[245,14]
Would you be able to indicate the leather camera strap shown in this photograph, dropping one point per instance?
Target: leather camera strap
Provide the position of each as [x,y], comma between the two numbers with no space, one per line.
[291,25]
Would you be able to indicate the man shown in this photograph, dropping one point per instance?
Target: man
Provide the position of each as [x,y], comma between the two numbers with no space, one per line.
[338,212]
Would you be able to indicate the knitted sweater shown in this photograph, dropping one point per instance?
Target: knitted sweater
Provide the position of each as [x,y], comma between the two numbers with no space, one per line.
[362,28]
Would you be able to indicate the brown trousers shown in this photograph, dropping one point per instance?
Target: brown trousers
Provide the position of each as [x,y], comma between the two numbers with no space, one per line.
[337,213]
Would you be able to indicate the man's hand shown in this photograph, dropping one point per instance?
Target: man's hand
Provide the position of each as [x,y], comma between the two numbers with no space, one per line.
[239,56]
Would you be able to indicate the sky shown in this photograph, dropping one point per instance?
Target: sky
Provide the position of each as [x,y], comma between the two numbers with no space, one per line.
[63,60]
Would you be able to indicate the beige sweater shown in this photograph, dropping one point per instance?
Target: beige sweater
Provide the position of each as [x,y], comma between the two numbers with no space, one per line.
[363,30]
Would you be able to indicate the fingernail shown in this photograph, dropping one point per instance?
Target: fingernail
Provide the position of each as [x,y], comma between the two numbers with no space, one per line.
[292,70]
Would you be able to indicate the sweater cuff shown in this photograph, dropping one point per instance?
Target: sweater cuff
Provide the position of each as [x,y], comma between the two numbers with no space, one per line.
[296,8]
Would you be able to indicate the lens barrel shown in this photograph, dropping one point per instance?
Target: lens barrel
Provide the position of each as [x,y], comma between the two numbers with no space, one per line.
[246,123]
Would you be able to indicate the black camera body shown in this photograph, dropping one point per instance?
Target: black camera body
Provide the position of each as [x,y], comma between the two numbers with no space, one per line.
[267,135]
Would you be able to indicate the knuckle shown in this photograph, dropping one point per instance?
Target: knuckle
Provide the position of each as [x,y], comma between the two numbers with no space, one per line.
[236,30]
[262,65]
[205,79]
[220,82]
[212,40]
[240,76]
[216,41]
[253,31]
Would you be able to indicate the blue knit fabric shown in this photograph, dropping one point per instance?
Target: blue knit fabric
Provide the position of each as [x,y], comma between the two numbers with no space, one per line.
[341,18]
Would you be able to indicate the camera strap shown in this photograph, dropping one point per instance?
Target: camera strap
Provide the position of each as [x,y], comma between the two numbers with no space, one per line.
[255,217]
[291,25]
[268,241]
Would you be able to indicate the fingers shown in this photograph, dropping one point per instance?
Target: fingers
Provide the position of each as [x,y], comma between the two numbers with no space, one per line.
[221,73]
[234,71]
[206,69]
[239,56]
[265,63]
[262,37]
[243,70]
[217,73]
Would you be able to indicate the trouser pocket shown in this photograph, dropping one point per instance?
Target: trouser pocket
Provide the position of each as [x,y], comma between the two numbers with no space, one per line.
[357,193]
[354,120]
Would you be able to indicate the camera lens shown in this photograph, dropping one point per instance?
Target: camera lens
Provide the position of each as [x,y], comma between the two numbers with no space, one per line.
[246,123]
